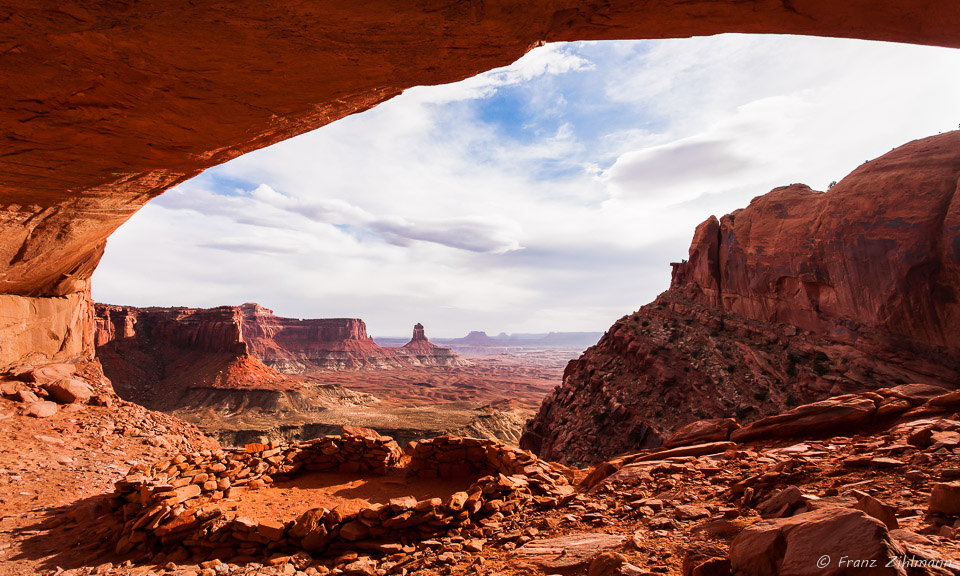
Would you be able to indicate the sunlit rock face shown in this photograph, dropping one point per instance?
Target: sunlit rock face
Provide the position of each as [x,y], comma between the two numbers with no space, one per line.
[106,105]
[880,250]
[797,297]
[289,345]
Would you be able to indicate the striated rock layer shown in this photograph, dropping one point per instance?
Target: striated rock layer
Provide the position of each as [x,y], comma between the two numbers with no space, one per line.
[294,346]
[106,105]
[798,296]
[232,349]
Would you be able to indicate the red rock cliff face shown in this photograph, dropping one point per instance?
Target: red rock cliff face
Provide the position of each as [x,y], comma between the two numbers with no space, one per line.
[881,250]
[797,297]
[288,344]
[106,105]
[215,330]
[293,345]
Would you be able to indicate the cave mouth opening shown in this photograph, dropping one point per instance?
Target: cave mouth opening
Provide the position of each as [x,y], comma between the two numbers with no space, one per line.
[549,195]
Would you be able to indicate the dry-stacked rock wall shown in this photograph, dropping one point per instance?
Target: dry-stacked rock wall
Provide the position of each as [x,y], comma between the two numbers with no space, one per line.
[174,502]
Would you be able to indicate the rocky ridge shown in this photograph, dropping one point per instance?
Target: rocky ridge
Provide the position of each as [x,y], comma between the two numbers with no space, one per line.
[797,297]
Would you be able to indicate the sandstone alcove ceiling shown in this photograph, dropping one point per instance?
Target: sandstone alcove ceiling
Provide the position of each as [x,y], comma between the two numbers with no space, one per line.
[107,105]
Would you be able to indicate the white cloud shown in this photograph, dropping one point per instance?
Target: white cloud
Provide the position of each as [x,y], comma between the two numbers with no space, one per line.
[552,59]
[674,173]
[549,195]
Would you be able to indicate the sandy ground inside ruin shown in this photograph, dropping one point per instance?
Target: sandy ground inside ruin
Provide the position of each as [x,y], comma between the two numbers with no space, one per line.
[287,500]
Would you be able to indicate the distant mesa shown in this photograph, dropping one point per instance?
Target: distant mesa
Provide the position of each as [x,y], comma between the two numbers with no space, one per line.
[477,342]
[421,352]
[163,357]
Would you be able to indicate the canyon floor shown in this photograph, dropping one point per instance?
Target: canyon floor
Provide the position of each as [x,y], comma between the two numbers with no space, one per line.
[492,397]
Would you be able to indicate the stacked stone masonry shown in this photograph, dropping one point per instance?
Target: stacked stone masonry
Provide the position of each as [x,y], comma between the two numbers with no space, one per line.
[175,502]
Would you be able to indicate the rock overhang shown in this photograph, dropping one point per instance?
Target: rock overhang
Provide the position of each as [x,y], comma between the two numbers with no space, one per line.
[106,106]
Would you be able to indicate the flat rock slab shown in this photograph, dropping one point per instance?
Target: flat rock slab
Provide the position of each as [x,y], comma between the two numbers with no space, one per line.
[41,409]
[570,551]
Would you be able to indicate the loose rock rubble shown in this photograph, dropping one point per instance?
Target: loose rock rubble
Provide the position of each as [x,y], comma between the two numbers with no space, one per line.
[889,492]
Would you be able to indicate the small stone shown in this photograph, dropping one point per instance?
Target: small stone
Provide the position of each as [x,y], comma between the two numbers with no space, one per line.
[269,529]
[607,564]
[683,512]
[945,498]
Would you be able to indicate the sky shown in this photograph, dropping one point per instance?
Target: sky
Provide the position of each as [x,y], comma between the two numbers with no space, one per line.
[549,195]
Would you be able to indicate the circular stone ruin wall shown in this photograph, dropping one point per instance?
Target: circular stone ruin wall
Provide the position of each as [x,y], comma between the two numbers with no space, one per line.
[176,503]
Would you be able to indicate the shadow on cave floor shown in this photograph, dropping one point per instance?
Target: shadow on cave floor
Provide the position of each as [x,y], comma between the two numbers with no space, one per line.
[77,534]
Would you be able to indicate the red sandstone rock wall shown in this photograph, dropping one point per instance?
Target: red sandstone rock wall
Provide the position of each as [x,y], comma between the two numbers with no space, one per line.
[241,330]
[296,345]
[214,330]
[880,250]
[289,345]
[44,330]
[797,297]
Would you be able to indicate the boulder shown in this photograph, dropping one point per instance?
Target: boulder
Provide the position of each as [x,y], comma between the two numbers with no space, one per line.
[832,415]
[271,530]
[877,509]
[951,400]
[49,373]
[69,391]
[354,530]
[782,503]
[945,498]
[26,396]
[607,564]
[568,552]
[307,522]
[9,387]
[702,431]
[703,559]
[42,409]
[827,542]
